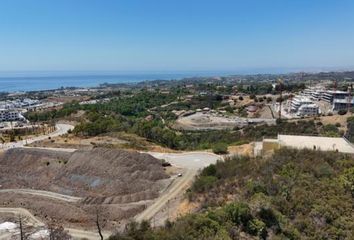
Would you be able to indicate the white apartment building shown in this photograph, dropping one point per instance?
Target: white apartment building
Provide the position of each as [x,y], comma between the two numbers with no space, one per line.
[303,106]
[343,104]
[7,115]
[308,110]
[314,93]
[298,101]
[330,95]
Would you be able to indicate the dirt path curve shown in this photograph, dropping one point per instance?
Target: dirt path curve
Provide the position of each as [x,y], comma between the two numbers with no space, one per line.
[35,222]
[60,130]
[47,194]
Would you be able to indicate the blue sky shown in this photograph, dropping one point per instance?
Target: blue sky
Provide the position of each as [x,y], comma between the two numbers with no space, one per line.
[175,35]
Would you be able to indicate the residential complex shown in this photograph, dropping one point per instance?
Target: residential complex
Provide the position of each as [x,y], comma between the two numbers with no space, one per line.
[19,104]
[7,115]
[306,104]
[343,104]
[298,101]
[330,96]
[308,110]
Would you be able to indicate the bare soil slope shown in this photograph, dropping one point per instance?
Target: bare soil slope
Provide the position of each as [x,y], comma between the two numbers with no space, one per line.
[86,173]
[120,182]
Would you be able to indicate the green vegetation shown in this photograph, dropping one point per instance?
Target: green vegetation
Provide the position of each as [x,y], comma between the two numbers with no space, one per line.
[350,129]
[220,148]
[291,195]
[148,114]
[331,130]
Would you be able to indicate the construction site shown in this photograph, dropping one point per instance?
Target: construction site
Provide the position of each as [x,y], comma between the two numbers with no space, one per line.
[70,188]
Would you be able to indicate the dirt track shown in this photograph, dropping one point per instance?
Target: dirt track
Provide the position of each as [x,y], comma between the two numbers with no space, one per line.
[35,222]
[192,162]
[60,130]
[42,193]
[178,186]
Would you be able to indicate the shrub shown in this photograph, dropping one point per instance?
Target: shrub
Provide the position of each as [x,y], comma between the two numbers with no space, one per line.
[239,213]
[203,183]
[342,112]
[220,148]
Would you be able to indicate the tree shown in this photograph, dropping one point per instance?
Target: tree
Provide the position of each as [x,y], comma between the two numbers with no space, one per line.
[22,235]
[98,225]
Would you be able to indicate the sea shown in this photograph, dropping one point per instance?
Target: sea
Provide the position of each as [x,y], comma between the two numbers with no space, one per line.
[48,80]
[37,81]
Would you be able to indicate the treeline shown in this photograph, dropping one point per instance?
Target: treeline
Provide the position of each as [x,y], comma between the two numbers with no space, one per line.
[295,194]
[135,105]
[155,131]
[45,116]
[267,88]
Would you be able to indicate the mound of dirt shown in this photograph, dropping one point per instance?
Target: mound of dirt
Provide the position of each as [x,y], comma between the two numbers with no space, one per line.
[99,175]
[119,183]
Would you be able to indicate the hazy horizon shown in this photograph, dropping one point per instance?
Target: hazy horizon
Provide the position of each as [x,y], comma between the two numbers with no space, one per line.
[53,73]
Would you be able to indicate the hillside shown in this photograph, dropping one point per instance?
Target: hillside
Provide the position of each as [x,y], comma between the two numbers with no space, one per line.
[84,173]
[119,183]
[291,195]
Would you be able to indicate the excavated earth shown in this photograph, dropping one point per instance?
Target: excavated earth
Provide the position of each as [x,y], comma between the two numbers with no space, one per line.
[116,183]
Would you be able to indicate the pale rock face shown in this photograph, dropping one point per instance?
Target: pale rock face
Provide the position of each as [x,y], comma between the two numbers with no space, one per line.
[7,226]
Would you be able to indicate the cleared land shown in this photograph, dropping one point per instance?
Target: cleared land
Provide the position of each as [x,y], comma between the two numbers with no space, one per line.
[319,143]
[120,183]
[210,121]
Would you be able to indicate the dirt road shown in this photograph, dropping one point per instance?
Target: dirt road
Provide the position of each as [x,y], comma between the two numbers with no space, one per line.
[32,220]
[42,193]
[82,234]
[35,222]
[5,236]
[178,186]
[188,160]
[60,130]
[192,162]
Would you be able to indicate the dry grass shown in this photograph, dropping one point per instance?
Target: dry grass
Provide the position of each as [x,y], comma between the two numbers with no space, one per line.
[245,149]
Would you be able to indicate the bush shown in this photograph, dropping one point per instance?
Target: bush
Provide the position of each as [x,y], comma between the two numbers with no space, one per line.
[203,183]
[220,148]
[342,112]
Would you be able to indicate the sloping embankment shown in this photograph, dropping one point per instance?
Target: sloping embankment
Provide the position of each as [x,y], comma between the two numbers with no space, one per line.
[100,175]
